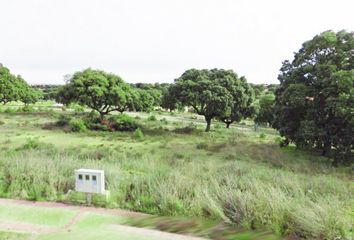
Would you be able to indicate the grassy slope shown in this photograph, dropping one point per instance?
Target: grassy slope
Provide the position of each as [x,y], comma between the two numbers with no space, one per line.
[233,175]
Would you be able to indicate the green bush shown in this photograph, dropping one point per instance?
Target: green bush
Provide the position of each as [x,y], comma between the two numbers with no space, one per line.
[202,145]
[152,118]
[77,108]
[94,122]
[164,121]
[262,136]
[31,143]
[123,122]
[138,134]
[10,110]
[77,125]
[63,120]
[26,108]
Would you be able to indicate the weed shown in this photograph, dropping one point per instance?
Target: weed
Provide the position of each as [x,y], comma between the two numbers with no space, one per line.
[164,121]
[138,134]
[262,136]
[123,122]
[77,125]
[152,118]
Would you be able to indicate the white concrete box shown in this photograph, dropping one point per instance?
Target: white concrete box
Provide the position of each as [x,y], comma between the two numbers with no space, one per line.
[89,181]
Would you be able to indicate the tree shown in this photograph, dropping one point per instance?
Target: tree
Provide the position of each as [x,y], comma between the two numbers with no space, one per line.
[9,90]
[315,101]
[31,96]
[145,101]
[204,91]
[168,100]
[242,97]
[266,109]
[14,88]
[98,90]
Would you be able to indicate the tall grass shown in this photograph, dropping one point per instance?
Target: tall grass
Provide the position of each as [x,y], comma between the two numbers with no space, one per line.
[249,193]
[176,169]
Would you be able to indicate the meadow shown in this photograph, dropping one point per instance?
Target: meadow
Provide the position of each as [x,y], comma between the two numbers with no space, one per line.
[173,168]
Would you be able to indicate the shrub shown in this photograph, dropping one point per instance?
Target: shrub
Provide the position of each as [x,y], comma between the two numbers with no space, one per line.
[262,136]
[123,122]
[202,145]
[164,121]
[10,110]
[77,125]
[94,122]
[2,122]
[77,108]
[63,120]
[26,108]
[31,143]
[152,118]
[138,134]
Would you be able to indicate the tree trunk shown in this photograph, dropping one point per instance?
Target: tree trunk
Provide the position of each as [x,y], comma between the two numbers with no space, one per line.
[208,120]
[228,123]
[101,115]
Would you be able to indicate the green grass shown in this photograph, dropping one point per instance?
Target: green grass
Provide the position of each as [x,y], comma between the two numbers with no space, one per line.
[231,175]
[5,235]
[43,216]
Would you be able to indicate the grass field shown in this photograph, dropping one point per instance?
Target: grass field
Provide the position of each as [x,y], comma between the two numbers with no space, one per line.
[234,175]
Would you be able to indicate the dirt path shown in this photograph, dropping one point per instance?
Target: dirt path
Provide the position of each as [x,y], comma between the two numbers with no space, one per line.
[80,210]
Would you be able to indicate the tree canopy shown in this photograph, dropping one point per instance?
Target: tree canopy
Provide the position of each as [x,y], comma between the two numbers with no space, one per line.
[15,88]
[98,90]
[315,100]
[242,97]
[211,93]
[265,113]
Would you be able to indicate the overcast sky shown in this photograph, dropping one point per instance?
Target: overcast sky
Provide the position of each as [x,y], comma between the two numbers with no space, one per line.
[157,40]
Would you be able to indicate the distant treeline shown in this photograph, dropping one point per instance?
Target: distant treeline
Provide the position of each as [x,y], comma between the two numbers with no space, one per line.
[312,107]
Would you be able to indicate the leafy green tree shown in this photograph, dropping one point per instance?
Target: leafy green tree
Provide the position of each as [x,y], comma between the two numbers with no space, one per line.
[266,109]
[315,101]
[242,97]
[154,90]
[168,100]
[145,101]
[31,96]
[25,92]
[205,91]
[14,88]
[98,90]
[9,88]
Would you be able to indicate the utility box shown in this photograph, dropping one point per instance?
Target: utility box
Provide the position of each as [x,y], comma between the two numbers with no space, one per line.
[89,181]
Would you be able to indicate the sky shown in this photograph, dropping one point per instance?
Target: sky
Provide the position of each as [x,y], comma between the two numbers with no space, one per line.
[157,40]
